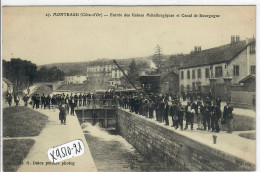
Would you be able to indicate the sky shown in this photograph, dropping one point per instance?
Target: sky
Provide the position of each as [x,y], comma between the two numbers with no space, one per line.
[29,34]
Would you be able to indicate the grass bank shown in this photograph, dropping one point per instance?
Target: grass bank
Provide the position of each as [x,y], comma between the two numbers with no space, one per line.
[19,122]
[14,152]
[22,122]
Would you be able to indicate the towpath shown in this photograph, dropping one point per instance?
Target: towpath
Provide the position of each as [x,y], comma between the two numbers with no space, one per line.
[55,134]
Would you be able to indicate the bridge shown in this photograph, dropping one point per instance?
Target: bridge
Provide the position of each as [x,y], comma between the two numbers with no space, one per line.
[96,111]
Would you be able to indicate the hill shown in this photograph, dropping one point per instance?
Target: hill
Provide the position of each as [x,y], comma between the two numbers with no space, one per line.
[79,68]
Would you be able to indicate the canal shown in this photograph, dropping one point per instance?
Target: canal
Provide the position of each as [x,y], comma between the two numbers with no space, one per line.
[111,152]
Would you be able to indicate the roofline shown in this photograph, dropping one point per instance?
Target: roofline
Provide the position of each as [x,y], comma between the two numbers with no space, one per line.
[246,78]
[225,61]
[203,65]
[238,53]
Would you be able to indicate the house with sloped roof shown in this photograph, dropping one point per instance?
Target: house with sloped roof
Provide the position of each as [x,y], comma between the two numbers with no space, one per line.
[7,86]
[235,60]
[244,94]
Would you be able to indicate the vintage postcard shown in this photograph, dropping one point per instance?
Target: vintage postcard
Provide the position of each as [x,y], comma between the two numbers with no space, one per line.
[128,88]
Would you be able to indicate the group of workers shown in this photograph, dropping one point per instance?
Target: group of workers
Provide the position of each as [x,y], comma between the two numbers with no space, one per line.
[206,111]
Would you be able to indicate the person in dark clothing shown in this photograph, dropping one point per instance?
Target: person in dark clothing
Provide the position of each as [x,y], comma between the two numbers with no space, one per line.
[218,102]
[84,99]
[76,99]
[62,114]
[146,108]
[80,99]
[206,114]
[48,101]
[174,114]
[168,105]
[189,116]
[181,112]
[37,101]
[33,100]
[88,99]
[67,104]
[25,99]
[161,110]
[53,102]
[151,108]
[216,117]
[157,111]
[43,104]
[16,100]
[227,114]
[136,105]
[72,106]
[9,99]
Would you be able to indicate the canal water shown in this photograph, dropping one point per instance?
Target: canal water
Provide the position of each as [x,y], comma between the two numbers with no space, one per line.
[111,152]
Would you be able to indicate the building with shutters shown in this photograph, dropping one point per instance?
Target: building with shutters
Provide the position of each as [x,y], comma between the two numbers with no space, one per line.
[231,62]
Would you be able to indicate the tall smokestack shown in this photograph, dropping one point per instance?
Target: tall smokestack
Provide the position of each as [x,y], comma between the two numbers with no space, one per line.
[195,49]
[232,39]
[237,38]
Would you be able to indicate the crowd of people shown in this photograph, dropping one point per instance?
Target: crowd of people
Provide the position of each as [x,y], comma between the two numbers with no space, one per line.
[9,99]
[205,110]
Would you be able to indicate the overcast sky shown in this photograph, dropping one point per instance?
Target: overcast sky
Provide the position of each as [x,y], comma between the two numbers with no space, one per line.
[29,34]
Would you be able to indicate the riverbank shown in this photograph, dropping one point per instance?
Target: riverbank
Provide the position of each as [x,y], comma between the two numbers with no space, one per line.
[190,149]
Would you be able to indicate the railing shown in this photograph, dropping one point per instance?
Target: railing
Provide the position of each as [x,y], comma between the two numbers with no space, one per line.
[97,103]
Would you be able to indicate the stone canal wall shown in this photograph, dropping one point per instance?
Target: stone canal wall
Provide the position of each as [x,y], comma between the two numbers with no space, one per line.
[169,148]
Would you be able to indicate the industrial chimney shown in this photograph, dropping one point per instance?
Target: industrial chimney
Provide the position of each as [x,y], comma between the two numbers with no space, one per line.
[232,39]
[197,48]
[237,38]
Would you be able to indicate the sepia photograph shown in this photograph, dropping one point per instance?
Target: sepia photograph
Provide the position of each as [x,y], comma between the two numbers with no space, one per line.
[128,88]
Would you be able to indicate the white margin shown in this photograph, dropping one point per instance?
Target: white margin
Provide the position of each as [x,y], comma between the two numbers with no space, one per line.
[143,2]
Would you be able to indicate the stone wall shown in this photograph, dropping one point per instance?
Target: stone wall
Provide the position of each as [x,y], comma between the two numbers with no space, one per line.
[172,150]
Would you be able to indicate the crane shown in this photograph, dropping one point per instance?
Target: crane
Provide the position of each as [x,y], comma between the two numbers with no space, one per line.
[125,74]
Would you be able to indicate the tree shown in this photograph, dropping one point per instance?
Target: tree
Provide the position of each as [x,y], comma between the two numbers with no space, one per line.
[133,72]
[24,73]
[50,74]
[21,72]
[158,58]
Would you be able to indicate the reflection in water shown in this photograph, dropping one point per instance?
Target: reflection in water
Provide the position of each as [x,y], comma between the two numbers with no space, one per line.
[112,152]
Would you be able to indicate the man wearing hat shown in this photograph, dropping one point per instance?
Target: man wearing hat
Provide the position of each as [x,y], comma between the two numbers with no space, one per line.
[215,118]
[174,115]
[62,114]
[227,114]
[189,116]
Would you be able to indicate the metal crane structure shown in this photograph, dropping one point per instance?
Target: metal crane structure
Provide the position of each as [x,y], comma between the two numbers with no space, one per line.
[125,74]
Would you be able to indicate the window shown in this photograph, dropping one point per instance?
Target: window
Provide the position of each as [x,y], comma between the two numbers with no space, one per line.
[253,69]
[182,75]
[207,73]
[193,86]
[199,73]
[252,49]
[236,71]
[193,74]
[218,71]
[188,87]
[188,74]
